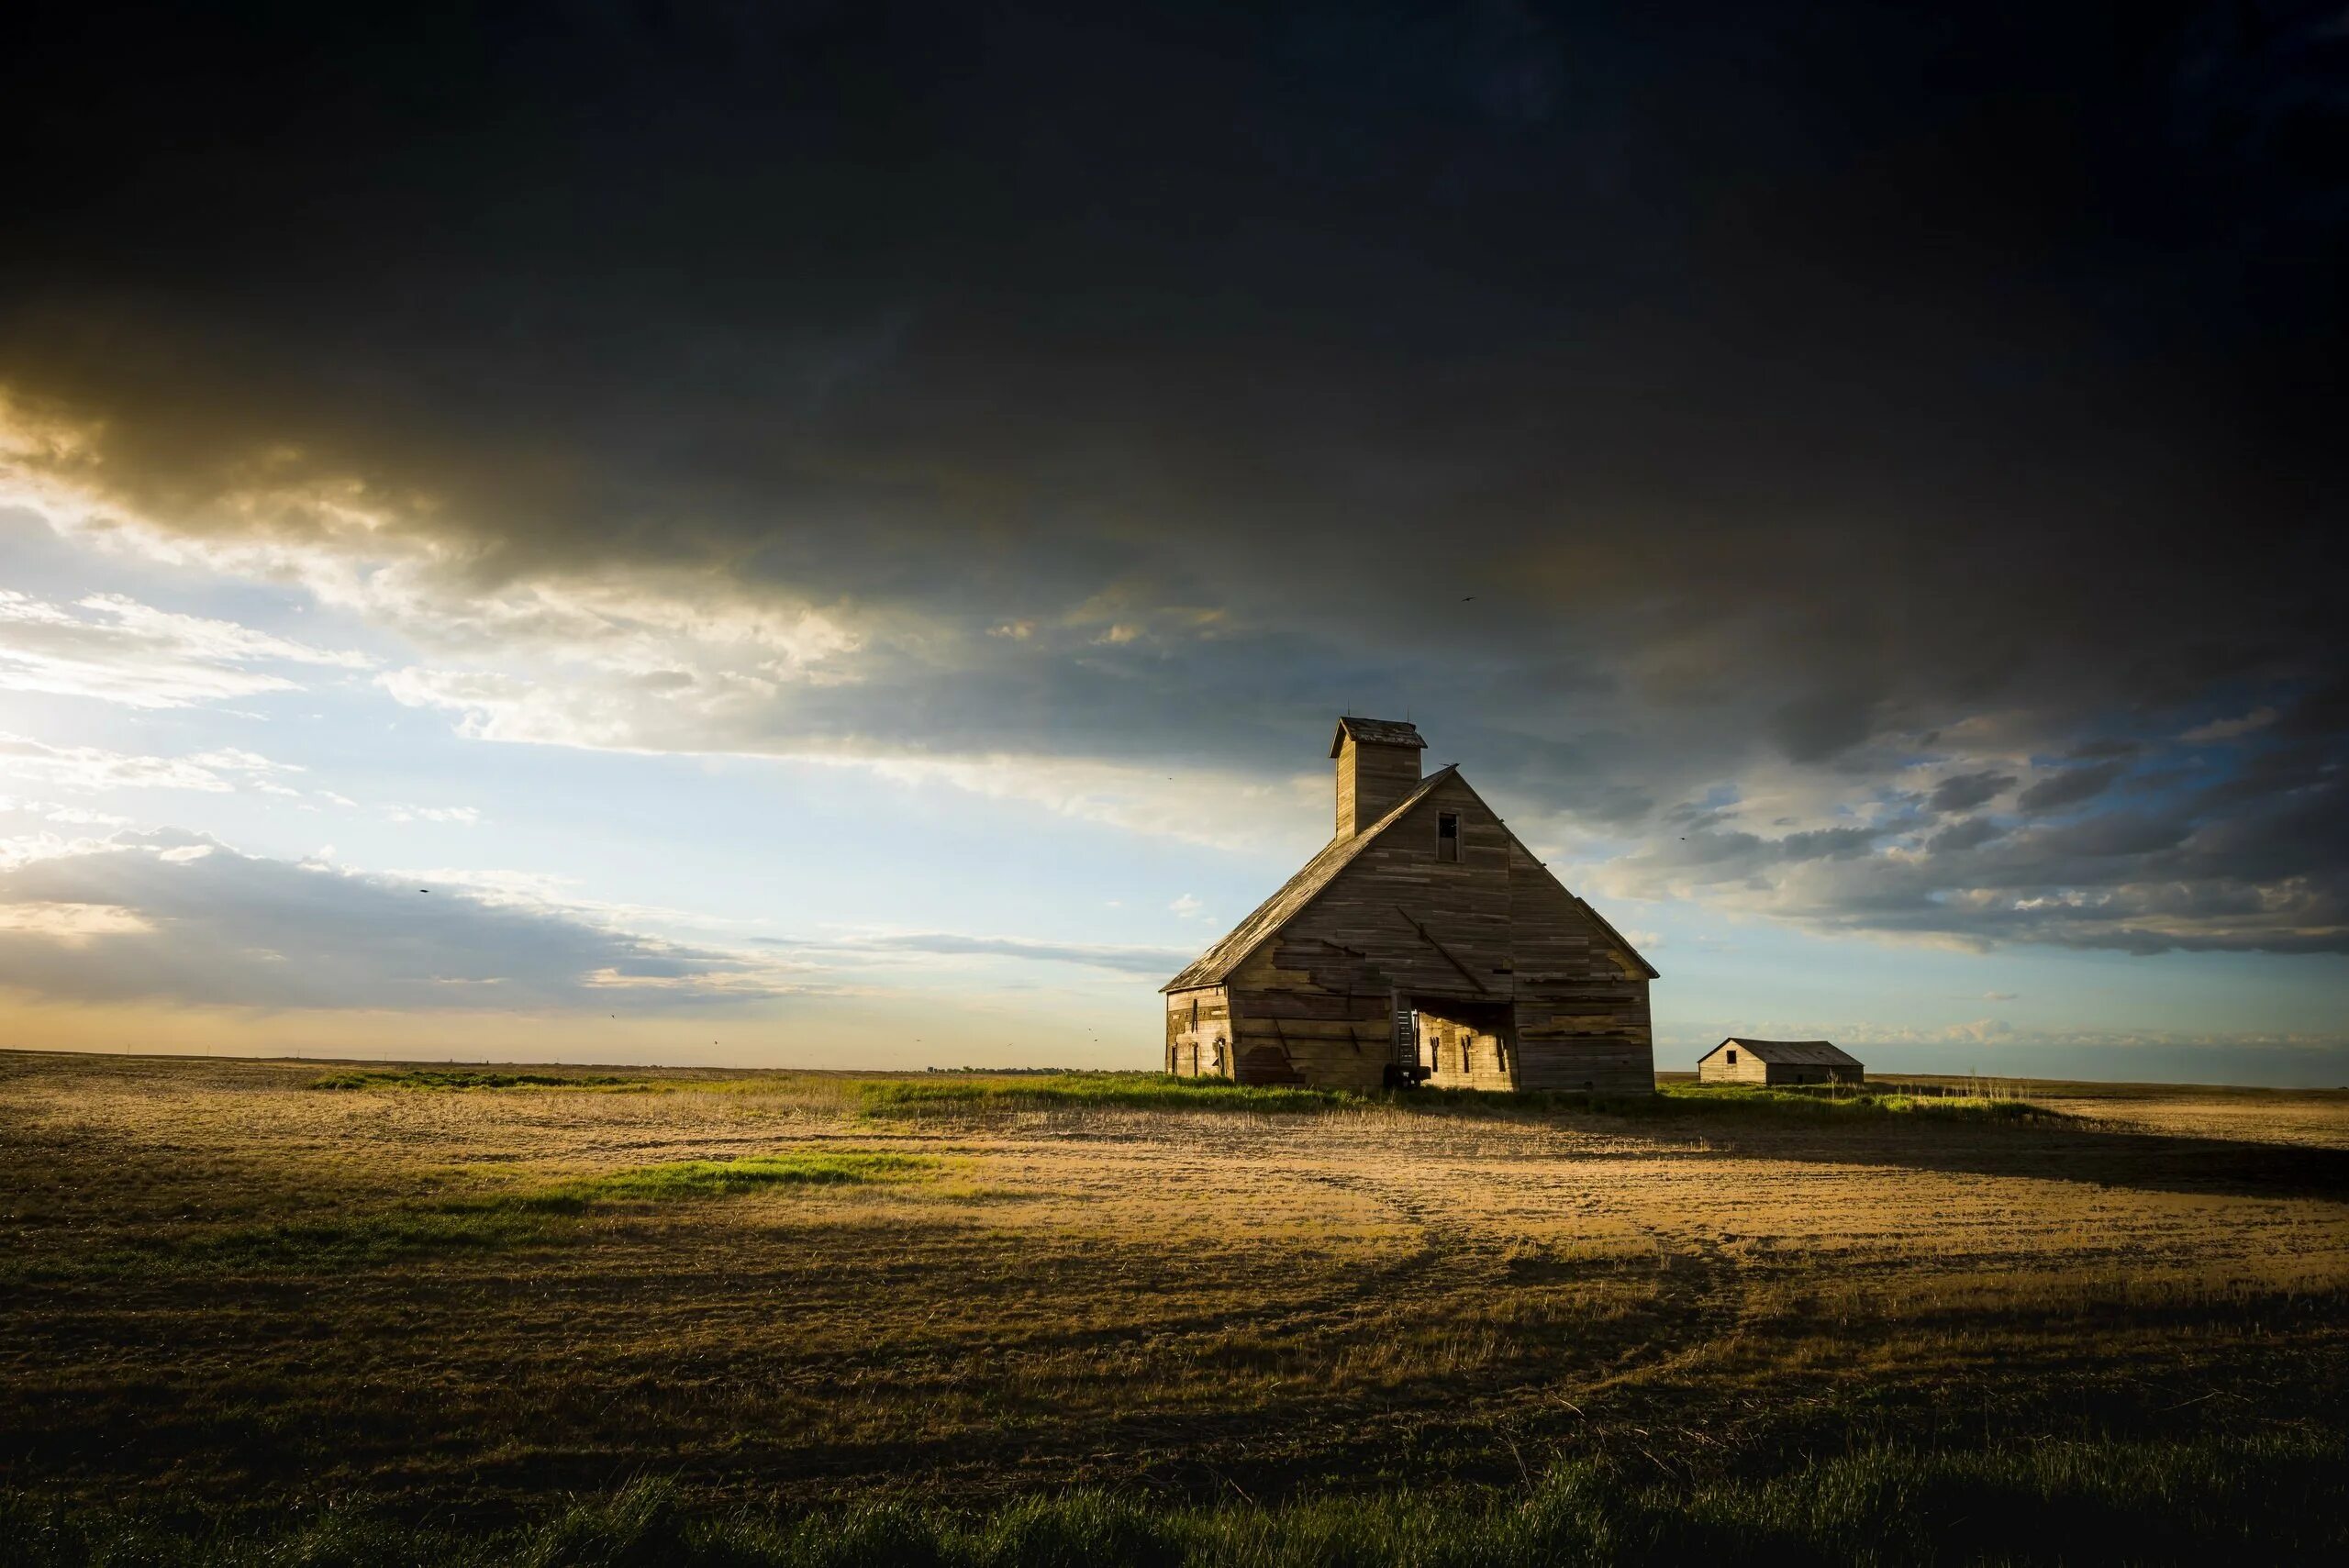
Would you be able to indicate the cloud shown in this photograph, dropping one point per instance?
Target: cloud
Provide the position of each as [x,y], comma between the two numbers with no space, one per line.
[50,811]
[2069,788]
[2247,860]
[2231,728]
[1144,961]
[462,815]
[123,651]
[1969,834]
[70,925]
[175,917]
[1963,792]
[852,951]
[96,768]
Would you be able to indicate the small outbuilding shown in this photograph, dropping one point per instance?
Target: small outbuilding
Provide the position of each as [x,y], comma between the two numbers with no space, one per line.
[1778,1062]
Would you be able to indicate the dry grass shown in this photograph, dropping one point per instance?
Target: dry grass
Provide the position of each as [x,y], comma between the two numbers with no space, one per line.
[221,1281]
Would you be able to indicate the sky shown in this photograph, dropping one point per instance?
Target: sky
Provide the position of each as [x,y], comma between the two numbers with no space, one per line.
[835,535]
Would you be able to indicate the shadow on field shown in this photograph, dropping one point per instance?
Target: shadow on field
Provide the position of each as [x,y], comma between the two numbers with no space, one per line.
[2078,1153]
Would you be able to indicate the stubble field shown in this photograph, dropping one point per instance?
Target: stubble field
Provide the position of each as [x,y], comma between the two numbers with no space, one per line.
[743,1316]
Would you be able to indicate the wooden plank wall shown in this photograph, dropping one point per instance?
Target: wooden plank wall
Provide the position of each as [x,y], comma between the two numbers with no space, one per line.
[1319,1009]
[1492,927]
[1582,1013]
[1372,781]
[1715,1068]
[1191,1049]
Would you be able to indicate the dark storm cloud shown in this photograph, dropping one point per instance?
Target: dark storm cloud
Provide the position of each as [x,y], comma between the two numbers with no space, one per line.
[1972,833]
[2069,788]
[1633,397]
[1963,792]
[2243,865]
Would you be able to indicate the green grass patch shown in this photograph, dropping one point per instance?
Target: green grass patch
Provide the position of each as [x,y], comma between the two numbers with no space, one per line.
[687,1179]
[899,1097]
[1121,1091]
[2270,1499]
[1730,1102]
[979,1093]
[461,1078]
[1854,1100]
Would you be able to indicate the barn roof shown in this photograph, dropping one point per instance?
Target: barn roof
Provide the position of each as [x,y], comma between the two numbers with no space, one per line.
[1375,732]
[1212,966]
[1220,959]
[1794,1052]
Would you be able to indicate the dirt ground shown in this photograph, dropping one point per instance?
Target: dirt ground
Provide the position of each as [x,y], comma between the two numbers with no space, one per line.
[216,1277]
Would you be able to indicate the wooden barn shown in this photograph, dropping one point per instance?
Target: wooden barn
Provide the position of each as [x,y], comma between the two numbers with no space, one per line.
[1423,943]
[1778,1062]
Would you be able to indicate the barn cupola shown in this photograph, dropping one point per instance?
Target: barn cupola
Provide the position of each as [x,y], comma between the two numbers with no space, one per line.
[1378,764]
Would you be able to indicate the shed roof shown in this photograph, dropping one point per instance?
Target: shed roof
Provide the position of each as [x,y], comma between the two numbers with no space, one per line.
[1793,1052]
[1376,732]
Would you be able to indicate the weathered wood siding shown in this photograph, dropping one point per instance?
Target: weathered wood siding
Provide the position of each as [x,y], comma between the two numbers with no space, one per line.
[1320,1010]
[1197,1023]
[1492,927]
[1582,1010]
[1371,780]
[1714,1067]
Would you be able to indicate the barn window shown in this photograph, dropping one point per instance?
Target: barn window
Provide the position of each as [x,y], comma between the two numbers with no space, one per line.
[1194,1014]
[1447,836]
[1732,1055]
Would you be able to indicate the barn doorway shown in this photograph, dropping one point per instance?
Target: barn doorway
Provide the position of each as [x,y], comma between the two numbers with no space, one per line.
[1465,1043]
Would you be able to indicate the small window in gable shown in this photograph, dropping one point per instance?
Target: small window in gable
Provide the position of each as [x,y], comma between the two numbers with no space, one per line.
[1447,836]
[1732,1058]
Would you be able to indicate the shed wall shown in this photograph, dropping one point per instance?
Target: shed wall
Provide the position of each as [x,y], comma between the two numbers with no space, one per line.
[1714,1067]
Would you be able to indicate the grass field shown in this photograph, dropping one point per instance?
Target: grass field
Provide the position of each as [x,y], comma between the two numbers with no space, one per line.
[281,1312]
